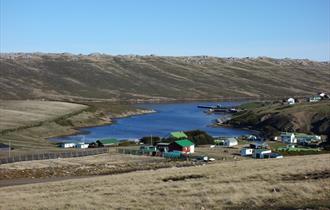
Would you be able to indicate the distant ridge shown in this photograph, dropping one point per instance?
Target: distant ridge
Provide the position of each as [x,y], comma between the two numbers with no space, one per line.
[65,76]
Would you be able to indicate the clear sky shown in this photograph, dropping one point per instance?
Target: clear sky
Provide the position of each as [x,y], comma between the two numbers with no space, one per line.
[231,28]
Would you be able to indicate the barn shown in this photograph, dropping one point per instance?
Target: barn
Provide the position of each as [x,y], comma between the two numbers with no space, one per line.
[184,146]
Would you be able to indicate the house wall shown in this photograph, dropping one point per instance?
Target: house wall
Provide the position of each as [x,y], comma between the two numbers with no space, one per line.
[245,152]
[261,154]
[68,145]
[192,148]
[82,146]
[173,146]
[230,143]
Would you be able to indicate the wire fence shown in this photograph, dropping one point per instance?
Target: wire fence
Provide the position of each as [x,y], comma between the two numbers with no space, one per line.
[54,155]
[135,152]
[175,156]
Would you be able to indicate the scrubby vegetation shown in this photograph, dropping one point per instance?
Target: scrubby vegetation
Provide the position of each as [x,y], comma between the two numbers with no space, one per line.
[199,137]
[79,77]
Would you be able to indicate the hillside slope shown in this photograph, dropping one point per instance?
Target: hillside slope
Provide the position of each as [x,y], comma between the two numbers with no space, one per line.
[96,76]
[272,118]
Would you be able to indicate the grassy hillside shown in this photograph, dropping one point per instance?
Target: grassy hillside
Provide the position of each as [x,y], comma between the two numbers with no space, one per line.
[27,124]
[274,117]
[16,114]
[66,76]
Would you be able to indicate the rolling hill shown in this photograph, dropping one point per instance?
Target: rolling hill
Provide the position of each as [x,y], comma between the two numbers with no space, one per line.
[99,76]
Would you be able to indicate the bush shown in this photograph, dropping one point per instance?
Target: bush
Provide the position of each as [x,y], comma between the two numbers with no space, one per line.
[127,143]
[199,137]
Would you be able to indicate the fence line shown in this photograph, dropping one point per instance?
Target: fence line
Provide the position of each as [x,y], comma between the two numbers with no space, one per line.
[152,153]
[54,155]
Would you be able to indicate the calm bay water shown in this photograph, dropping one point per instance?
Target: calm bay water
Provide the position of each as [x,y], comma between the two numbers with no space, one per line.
[168,118]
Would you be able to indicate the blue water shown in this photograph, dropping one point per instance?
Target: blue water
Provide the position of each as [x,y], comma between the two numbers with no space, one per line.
[168,118]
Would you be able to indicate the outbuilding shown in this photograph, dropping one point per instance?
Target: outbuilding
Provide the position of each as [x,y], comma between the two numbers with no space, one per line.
[230,142]
[261,153]
[184,146]
[82,145]
[67,145]
[246,151]
[291,101]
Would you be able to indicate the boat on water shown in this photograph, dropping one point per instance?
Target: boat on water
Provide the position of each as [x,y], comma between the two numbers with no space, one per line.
[210,107]
[222,110]
[218,109]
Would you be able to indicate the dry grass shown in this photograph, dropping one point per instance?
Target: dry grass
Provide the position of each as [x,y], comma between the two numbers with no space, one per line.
[28,124]
[220,153]
[248,183]
[15,114]
[75,77]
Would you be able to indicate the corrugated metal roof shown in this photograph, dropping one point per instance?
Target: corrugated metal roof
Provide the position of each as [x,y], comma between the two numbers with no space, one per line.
[178,135]
[184,143]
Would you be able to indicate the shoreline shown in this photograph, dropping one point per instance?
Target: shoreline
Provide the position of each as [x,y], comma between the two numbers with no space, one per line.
[78,131]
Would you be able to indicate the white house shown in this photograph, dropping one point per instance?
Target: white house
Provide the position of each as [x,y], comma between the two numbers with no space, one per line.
[230,142]
[308,139]
[288,138]
[261,153]
[82,145]
[246,151]
[68,145]
[291,101]
[323,95]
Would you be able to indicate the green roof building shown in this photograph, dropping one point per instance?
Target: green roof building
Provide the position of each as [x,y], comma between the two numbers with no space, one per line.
[178,135]
[184,146]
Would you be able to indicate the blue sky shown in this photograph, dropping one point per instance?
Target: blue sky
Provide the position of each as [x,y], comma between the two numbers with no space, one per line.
[237,28]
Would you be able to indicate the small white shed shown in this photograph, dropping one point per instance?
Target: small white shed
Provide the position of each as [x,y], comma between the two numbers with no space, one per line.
[246,151]
[82,145]
[230,142]
[291,101]
[68,145]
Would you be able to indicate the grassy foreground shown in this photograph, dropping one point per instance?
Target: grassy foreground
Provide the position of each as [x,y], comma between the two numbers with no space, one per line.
[297,182]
